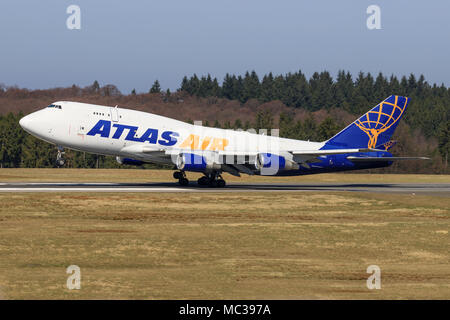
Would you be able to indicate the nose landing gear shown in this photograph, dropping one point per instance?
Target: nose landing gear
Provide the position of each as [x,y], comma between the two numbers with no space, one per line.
[60,157]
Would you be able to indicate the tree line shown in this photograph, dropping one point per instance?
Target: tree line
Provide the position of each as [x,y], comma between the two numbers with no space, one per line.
[428,110]
[424,130]
[429,107]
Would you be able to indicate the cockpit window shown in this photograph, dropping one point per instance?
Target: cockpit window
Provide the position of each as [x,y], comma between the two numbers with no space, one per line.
[54,106]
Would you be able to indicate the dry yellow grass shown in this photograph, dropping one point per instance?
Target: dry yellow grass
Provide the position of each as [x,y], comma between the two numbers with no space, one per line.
[224,245]
[142,175]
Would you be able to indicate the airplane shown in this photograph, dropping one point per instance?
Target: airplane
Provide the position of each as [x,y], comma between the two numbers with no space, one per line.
[136,137]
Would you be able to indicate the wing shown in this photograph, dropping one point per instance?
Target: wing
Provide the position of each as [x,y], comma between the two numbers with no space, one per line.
[382,159]
[236,162]
[147,153]
[300,157]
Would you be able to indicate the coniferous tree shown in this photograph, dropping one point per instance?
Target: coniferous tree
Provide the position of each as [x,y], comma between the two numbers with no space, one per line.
[251,87]
[327,129]
[156,88]
[228,89]
[185,85]
[267,88]
[95,86]
[444,141]
[381,87]
[195,85]
[237,124]
[309,129]
[264,120]
[287,126]
[37,153]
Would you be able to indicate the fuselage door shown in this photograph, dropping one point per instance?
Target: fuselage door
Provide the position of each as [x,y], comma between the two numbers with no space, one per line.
[114,114]
[81,129]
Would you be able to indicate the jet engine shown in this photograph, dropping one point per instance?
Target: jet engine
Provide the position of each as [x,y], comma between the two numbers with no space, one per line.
[129,161]
[274,162]
[196,162]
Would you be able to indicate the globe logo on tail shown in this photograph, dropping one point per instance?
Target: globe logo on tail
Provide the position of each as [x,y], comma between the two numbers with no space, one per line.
[380,119]
[388,145]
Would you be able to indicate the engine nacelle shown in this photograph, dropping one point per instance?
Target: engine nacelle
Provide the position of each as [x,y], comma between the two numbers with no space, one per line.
[274,162]
[129,161]
[196,162]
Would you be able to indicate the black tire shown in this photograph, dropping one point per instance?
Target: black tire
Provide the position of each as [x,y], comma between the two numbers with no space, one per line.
[203,181]
[183,182]
[213,184]
[177,175]
[221,183]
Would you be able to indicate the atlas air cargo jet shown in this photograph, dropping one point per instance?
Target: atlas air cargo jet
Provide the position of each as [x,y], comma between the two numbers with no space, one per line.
[136,137]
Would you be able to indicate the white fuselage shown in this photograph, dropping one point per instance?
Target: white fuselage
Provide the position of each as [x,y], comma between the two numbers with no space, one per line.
[85,127]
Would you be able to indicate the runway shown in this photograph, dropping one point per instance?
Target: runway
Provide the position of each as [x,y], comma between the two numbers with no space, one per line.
[442,189]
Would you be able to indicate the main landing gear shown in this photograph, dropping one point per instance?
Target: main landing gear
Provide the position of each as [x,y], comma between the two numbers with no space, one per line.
[214,180]
[181,177]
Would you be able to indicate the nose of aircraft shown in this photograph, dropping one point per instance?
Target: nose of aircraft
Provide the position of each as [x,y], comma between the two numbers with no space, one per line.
[38,123]
[25,122]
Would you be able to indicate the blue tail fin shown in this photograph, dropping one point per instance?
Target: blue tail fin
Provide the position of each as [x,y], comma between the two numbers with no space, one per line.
[374,129]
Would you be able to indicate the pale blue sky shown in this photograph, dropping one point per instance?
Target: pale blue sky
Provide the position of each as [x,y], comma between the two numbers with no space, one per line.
[132,43]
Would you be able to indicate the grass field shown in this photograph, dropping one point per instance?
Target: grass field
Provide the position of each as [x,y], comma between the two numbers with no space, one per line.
[290,245]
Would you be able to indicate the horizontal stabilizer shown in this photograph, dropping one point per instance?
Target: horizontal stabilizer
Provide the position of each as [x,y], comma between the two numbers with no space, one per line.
[371,159]
[332,151]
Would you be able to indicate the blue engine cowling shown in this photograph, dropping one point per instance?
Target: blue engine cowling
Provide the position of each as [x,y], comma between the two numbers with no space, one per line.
[195,162]
[129,161]
[191,162]
[269,160]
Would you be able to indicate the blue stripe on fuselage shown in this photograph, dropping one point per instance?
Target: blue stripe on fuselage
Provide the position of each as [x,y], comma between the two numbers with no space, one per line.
[103,128]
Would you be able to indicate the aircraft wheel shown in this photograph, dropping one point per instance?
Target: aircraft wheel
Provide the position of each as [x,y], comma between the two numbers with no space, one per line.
[183,182]
[203,181]
[221,183]
[177,175]
[213,183]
